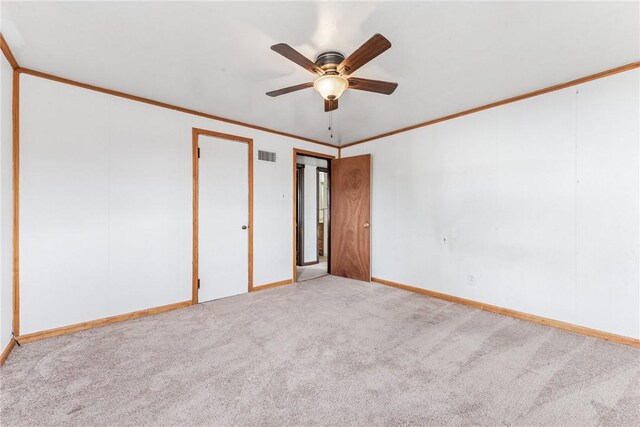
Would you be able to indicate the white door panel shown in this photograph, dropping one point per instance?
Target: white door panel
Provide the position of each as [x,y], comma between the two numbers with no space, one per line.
[223,195]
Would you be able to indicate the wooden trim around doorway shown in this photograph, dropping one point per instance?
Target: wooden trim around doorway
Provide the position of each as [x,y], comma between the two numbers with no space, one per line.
[320,170]
[194,141]
[299,224]
[296,152]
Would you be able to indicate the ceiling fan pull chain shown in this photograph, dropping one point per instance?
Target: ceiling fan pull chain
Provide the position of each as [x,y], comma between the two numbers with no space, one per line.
[331,123]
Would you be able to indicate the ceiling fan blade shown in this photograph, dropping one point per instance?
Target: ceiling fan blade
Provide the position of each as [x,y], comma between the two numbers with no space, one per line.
[330,105]
[290,89]
[293,55]
[365,53]
[377,86]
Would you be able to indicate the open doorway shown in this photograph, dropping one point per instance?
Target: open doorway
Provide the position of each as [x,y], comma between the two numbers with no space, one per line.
[312,207]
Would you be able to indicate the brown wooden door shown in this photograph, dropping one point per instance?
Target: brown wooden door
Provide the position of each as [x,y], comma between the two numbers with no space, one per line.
[350,217]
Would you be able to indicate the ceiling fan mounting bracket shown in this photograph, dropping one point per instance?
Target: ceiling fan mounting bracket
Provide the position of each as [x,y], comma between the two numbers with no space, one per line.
[329,59]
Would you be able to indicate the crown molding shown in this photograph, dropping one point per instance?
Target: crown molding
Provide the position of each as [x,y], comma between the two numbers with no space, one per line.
[161,104]
[14,64]
[602,74]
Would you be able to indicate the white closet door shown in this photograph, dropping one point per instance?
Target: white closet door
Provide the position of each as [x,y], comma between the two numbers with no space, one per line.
[223,218]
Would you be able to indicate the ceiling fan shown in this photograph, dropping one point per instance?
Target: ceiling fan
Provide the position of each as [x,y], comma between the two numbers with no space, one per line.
[333,71]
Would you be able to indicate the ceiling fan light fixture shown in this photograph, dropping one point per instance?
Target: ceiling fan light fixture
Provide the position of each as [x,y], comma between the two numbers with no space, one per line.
[335,71]
[330,87]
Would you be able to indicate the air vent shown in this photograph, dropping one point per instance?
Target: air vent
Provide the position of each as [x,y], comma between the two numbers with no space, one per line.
[266,156]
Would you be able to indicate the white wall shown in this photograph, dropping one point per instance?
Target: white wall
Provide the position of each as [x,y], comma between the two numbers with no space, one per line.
[310,214]
[6,202]
[105,204]
[533,206]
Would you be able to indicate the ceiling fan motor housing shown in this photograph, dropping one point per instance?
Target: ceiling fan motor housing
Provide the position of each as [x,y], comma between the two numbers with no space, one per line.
[329,60]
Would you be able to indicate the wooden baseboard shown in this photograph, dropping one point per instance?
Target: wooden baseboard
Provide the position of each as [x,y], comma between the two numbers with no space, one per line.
[6,351]
[620,339]
[272,285]
[35,336]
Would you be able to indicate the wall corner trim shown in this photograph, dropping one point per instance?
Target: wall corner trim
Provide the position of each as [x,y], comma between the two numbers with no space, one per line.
[16,200]
[36,336]
[7,351]
[6,50]
[569,327]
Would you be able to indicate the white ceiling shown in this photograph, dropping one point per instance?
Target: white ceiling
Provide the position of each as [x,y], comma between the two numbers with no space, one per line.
[214,56]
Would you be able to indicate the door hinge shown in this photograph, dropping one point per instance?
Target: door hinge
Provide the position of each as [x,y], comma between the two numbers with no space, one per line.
[198,152]
[198,283]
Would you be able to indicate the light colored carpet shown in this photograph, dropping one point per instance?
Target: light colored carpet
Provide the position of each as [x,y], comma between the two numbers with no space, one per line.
[309,272]
[327,352]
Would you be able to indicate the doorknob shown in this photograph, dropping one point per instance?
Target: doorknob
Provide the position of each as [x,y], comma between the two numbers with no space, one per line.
[366,225]
[244,227]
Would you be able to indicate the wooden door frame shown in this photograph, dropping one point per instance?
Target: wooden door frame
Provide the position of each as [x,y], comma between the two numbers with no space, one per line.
[299,216]
[300,224]
[296,152]
[326,170]
[195,133]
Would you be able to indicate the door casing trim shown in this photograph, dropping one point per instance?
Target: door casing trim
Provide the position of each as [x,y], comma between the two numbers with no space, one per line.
[196,132]
[319,170]
[296,152]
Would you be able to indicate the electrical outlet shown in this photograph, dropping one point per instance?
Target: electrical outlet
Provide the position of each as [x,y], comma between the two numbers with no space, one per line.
[471,280]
